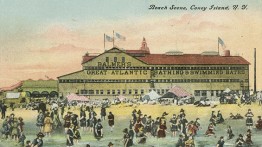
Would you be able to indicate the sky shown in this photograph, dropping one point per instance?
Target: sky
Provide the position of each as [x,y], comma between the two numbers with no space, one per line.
[48,38]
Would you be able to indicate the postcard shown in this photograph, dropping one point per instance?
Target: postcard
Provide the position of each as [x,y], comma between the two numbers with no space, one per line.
[151,73]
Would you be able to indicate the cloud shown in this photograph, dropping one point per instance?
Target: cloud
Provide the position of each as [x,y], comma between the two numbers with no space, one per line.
[58,48]
[183,20]
[57,31]
[61,48]
[207,25]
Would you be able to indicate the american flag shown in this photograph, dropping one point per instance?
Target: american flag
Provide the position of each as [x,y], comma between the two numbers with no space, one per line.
[118,36]
[221,42]
[108,38]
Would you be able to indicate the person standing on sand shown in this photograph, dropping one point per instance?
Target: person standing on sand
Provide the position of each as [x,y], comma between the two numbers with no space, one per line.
[40,120]
[48,125]
[3,110]
[111,121]
[230,133]
[249,120]
[103,113]
[98,132]
[126,138]
[70,136]
[161,133]
[67,121]
[82,118]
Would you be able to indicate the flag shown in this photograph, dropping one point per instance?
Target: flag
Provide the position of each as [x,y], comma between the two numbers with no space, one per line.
[221,42]
[118,36]
[108,38]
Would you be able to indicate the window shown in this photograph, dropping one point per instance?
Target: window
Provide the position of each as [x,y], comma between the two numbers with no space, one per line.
[115,59]
[101,91]
[129,91]
[107,59]
[142,91]
[217,92]
[158,91]
[212,93]
[162,91]
[123,91]
[108,91]
[204,93]
[123,59]
[197,92]
[136,91]
[113,92]
[83,91]
[97,91]
[91,91]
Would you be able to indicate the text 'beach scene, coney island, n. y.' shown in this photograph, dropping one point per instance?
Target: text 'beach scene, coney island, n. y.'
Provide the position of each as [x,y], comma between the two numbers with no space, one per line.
[140,73]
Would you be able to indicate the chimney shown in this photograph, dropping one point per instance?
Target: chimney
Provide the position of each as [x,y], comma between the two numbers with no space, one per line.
[226,53]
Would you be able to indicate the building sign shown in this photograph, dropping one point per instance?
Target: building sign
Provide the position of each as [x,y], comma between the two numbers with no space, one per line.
[117,72]
[164,72]
[114,64]
[197,72]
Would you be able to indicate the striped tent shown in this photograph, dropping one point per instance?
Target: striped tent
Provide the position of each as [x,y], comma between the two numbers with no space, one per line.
[176,91]
[121,98]
[74,97]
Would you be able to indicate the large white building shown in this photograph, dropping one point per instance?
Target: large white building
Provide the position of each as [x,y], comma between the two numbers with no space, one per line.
[135,72]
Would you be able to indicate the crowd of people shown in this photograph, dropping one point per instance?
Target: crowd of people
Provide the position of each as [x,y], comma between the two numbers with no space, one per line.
[13,128]
[141,126]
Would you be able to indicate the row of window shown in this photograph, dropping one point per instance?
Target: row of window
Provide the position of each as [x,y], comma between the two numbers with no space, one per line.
[143,91]
[123,59]
[150,80]
[120,91]
[166,68]
[213,92]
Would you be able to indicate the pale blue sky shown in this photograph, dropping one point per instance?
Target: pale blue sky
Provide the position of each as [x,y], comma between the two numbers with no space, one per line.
[43,33]
[36,12]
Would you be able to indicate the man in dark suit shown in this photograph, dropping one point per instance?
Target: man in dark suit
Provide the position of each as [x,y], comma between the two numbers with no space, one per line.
[220,142]
[42,106]
[3,110]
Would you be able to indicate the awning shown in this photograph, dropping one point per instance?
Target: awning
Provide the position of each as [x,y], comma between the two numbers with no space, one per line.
[12,95]
[176,91]
[74,97]
[121,97]
[151,96]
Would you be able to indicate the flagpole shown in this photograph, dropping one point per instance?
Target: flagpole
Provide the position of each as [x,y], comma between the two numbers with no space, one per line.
[113,38]
[104,41]
[218,46]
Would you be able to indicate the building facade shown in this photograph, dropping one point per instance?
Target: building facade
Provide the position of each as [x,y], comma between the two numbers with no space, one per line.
[40,88]
[133,73]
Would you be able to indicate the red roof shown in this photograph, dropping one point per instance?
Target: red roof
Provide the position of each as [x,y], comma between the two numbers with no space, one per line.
[87,58]
[19,84]
[185,59]
[136,51]
[192,59]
